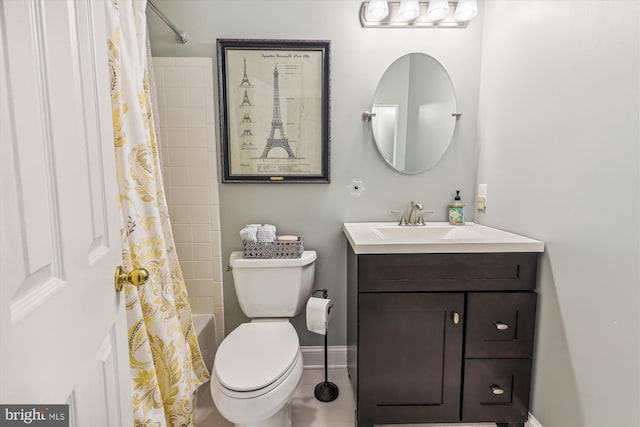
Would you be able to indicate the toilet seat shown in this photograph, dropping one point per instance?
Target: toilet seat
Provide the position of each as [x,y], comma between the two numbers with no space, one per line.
[256,357]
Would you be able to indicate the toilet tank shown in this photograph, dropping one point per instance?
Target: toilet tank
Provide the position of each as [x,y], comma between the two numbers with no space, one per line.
[275,287]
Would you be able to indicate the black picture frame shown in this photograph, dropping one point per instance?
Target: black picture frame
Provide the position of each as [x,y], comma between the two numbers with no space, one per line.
[274,110]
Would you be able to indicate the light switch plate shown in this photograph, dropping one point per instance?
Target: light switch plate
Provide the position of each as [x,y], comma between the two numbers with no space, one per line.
[481,198]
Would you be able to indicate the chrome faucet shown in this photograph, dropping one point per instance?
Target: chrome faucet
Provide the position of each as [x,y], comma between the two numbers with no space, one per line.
[415,214]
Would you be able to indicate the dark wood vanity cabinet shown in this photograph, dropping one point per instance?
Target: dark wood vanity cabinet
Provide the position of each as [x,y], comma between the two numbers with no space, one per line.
[410,357]
[441,337]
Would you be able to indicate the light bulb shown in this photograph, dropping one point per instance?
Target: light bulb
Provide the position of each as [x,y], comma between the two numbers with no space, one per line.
[466,10]
[377,10]
[409,10]
[437,10]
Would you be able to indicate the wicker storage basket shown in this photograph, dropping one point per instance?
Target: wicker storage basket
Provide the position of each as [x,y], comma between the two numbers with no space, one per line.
[275,249]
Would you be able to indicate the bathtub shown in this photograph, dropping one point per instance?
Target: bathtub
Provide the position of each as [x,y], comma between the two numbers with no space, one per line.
[205,326]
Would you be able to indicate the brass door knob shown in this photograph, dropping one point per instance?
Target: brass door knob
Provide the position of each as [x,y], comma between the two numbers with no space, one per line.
[137,277]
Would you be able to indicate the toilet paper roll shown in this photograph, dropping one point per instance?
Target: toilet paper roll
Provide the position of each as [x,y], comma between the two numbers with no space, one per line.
[318,314]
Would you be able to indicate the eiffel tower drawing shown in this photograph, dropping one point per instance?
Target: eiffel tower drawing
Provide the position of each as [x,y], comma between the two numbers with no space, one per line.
[245,80]
[246,118]
[276,123]
[245,100]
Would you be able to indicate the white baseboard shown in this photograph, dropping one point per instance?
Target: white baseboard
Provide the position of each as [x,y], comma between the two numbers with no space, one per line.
[313,356]
[532,422]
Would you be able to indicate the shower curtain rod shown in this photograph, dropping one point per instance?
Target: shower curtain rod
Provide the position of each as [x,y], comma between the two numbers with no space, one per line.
[181,36]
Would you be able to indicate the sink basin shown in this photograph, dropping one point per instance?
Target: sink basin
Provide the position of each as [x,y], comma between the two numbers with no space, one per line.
[435,237]
[412,233]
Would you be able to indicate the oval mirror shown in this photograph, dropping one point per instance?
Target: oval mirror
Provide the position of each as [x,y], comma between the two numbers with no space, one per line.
[414,113]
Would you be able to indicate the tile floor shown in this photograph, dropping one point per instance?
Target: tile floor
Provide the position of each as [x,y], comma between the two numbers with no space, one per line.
[307,410]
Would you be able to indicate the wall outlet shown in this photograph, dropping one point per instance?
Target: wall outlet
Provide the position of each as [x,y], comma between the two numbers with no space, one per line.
[481,198]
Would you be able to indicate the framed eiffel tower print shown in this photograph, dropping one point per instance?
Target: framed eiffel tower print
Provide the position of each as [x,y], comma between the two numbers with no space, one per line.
[274,110]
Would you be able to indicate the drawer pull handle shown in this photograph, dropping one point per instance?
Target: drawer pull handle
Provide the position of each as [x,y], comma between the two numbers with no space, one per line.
[495,389]
[501,326]
[455,316]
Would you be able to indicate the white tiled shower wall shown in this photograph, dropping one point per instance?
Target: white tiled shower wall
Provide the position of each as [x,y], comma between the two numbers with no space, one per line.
[184,90]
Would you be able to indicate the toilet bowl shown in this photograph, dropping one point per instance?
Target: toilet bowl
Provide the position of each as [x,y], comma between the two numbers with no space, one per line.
[257,369]
[259,364]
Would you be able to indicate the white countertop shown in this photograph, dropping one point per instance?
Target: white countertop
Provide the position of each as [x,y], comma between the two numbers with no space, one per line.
[435,237]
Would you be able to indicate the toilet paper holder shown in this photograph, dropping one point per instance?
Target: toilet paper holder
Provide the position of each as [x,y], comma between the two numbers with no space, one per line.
[325,293]
[325,391]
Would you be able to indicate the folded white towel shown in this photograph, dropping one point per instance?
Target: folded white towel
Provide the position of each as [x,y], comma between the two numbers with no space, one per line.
[249,234]
[266,233]
[258,233]
[271,226]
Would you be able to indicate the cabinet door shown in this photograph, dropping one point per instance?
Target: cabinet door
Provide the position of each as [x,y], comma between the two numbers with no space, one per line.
[410,356]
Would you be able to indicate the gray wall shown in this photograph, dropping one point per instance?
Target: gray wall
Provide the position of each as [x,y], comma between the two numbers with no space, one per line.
[559,135]
[359,57]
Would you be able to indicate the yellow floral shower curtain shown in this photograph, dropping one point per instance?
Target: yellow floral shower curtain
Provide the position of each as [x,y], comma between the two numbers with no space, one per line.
[165,360]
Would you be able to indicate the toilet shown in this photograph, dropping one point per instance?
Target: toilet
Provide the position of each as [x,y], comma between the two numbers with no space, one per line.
[258,366]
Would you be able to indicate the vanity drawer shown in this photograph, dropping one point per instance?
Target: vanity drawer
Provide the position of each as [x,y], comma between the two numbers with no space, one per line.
[500,324]
[447,272]
[496,390]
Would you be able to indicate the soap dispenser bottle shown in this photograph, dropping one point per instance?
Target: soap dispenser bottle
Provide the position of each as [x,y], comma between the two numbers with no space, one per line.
[456,210]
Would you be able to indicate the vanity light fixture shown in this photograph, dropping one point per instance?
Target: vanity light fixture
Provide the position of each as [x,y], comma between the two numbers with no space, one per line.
[417,14]
[377,10]
[466,10]
[437,10]
[409,10]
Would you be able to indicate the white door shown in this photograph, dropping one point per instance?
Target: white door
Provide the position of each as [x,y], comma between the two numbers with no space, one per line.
[63,337]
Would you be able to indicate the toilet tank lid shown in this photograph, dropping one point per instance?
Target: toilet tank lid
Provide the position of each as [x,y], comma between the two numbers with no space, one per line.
[237,260]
